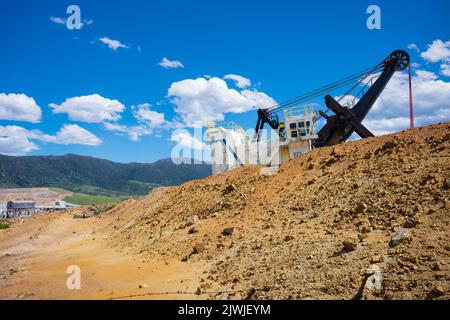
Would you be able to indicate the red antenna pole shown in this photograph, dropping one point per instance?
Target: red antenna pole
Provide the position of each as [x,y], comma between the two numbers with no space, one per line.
[411,108]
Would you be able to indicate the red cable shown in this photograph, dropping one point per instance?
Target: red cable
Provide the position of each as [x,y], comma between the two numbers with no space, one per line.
[411,108]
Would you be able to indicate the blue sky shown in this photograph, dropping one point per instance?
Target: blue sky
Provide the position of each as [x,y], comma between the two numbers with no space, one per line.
[102,91]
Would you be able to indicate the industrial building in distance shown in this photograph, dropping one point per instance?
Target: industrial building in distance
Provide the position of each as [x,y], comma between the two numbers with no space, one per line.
[26,208]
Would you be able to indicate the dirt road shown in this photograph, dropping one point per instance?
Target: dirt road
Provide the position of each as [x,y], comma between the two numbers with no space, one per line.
[35,254]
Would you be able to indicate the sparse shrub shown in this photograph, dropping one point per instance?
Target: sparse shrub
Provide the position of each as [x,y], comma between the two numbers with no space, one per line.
[4,224]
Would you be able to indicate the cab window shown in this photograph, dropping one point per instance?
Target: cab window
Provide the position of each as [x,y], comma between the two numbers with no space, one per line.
[308,127]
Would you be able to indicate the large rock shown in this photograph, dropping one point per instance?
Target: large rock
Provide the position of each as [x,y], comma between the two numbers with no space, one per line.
[228,189]
[288,238]
[198,248]
[398,238]
[447,184]
[228,231]
[349,245]
[375,279]
[360,207]
[193,230]
[436,292]
[192,220]
[410,223]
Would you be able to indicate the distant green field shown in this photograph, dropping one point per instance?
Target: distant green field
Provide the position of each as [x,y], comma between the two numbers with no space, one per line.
[85,199]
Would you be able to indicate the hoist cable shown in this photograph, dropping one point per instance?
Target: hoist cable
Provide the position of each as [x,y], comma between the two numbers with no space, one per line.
[327,88]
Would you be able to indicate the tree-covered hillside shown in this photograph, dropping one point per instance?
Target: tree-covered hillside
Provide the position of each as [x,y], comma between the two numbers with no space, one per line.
[95,176]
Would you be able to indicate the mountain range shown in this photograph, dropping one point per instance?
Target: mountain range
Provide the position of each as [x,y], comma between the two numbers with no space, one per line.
[95,176]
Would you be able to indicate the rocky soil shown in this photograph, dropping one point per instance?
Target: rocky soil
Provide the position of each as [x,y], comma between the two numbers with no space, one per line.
[86,212]
[364,220]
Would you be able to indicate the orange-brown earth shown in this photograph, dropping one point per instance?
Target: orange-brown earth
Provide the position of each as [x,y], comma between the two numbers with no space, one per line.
[311,231]
[36,252]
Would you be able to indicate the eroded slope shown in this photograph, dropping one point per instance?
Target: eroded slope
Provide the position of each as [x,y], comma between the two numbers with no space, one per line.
[308,231]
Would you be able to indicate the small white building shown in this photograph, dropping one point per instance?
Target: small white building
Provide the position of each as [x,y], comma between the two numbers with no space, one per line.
[15,209]
[22,208]
[57,205]
[3,210]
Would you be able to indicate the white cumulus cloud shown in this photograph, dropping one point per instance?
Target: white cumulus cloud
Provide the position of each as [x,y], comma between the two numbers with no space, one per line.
[241,82]
[92,108]
[113,44]
[148,119]
[19,107]
[18,141]
[134,132]
[437,51]
[185,140]
[170,64]
[73,134]
[14,141]
[143,113]
[58,20]
[201,100]
[431,97]
[445,68]
[414,47]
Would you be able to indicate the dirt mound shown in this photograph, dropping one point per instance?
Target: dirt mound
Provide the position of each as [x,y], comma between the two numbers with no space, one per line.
[85,212]
[375,210]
